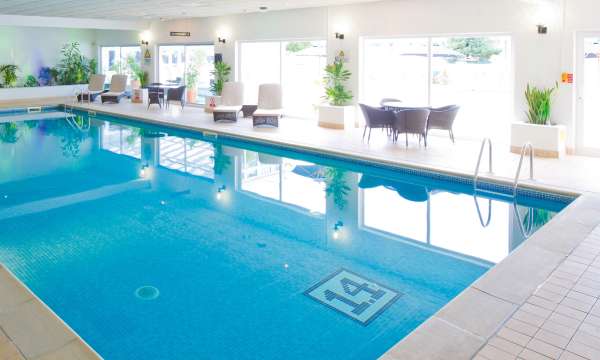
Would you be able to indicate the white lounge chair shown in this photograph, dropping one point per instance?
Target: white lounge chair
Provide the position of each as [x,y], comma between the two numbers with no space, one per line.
[232,100]
[118,83]
[95,88]
[270,106]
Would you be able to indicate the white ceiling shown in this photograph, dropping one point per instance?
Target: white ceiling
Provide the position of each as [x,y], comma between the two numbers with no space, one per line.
[152,9]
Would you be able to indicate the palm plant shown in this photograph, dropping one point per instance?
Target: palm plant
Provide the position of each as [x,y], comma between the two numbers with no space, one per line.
[9,75]
[539,102]
[74,68]
[335,90]
[221,76]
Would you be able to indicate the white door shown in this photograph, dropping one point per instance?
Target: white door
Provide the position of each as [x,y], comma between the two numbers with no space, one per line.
[587,82]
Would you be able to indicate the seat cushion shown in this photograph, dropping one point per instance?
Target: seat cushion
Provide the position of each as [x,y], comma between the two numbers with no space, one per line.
[268,112]
[224,108]
[112,93]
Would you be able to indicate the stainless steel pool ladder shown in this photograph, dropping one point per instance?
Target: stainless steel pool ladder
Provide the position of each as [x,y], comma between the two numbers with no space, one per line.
[526,146]
[485,141]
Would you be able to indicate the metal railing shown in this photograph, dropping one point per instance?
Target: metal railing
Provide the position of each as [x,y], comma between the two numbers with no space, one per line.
[526,146]
[490,165]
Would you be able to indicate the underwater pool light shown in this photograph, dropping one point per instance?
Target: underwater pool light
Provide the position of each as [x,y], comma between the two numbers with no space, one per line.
[337,228]
[143,171]
[220,191]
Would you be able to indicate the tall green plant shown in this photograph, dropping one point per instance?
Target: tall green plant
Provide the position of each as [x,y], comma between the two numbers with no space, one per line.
[191,76]
[74,68]
[9,75]
[335,78]
[539,102]
[221,76]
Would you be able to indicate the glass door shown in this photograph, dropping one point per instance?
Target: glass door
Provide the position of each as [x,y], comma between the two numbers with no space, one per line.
[188,65]
[588,93]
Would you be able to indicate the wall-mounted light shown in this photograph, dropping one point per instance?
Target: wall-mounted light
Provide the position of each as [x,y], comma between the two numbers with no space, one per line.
[336,229]
[220,191]
[339,36]
[542,29]
[145,37]
[222,40]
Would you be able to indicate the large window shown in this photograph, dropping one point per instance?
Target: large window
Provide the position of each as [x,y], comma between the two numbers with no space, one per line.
[472,72]
[120,60]
[297,65]
[189,65]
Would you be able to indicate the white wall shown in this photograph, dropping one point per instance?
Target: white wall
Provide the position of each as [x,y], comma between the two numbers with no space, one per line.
[538,59]
[32,42]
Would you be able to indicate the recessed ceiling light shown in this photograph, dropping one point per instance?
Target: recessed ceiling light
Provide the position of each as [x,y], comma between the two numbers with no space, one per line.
[263,8]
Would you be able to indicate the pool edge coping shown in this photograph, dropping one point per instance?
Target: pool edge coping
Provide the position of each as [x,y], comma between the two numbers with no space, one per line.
[60,339]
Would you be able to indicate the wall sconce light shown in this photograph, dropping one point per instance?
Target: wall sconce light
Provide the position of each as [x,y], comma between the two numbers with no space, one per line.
[145,42]
[220,191]
[222,40]
[542,29]
[336,229]
[339,36]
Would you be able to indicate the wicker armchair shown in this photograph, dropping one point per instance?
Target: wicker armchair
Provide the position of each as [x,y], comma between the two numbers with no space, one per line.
[443,119]
[411,121]
[376,118]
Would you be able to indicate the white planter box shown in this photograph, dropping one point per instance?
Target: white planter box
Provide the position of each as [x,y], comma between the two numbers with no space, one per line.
[211,102]
[336,117]
[23,93]
[547,140]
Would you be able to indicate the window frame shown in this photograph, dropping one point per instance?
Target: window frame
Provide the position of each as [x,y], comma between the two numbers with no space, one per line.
[239,55]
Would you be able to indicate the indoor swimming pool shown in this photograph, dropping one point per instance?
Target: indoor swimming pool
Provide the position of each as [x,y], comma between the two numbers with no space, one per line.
[156,243]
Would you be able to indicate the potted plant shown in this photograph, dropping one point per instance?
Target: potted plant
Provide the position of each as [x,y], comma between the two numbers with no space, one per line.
[336,114]
[8,75]
[74,68]
[220,75]
[191,82]
[548,139]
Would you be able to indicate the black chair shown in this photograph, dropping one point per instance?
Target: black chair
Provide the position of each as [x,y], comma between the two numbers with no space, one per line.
[376,118]
[411,121]
[176,94]
[159,91]
[443,119]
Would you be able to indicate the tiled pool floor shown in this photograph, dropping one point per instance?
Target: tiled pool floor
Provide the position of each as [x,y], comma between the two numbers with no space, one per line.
[525,305]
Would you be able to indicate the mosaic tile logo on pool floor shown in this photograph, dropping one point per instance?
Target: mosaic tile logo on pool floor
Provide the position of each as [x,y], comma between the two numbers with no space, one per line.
[359,298]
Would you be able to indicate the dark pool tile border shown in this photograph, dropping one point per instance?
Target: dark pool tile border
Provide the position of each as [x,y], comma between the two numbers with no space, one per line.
[496,186]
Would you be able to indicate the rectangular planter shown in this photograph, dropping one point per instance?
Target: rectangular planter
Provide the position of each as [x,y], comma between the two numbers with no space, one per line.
[23,93]
[336,117]
[547,140]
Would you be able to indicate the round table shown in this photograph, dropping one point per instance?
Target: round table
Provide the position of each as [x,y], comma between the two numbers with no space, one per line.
[396,105]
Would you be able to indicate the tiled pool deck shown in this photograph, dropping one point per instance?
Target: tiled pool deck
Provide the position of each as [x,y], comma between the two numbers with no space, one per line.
[541,302]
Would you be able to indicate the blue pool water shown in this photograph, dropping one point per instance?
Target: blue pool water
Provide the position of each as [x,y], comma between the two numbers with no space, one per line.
[153,243]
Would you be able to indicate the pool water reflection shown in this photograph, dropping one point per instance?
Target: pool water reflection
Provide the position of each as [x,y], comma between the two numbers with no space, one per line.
[235,235]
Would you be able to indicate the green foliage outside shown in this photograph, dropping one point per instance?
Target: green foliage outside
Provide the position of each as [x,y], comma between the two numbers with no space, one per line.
[475,47]
[294,47]
[539,102]
[335,78]
[220,75]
